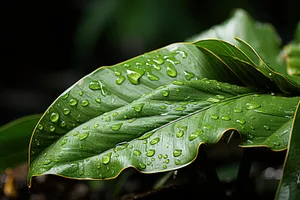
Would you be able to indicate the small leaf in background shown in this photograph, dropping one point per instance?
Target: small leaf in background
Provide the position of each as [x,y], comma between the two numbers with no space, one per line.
[289,187]
[14,141]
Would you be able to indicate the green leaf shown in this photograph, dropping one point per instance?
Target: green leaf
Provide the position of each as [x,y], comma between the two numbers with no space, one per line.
[240,63]
[14,140]
[288,188]
[163,130]
[261,36]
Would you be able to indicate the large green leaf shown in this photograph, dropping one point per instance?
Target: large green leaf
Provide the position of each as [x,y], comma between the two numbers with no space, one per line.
[14,141]
[163,130]
[290,183]
[261,36]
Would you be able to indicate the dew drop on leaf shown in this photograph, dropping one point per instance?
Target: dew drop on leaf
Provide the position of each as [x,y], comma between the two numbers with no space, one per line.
[194,135]
[142,166]
[154,141]
[66,111]
[137,152]
[159,61]
[152,77]
[138,107]
[85,103]
[73,102]
[106,158]
[116,127]
[177,162]
[66,95]
[215,117]
[180,134]
[241,121]
[177,152]
[171,71]
[94,85]
[267,127]
[83,136]
[251,106]
[237,110]
[188,75]
[98,100]
[40,127]
[63,123]
[134,76]
[226,118]
[150,152]
[120,80]
[213,100]
[165,93]
[54,117]
[52,128]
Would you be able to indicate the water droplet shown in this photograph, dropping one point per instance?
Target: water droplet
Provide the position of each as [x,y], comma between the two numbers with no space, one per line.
[165,93]
[182,53]
[40,127]
[215,117]
[250,136]
[166,156]
[163,107]
[241,121]
[65,96]
[47,162]
[137,152]
[80,93]
[96,125]
[171,71]
[160,156]
[165,166]
[138,107]
[82,136]
[276,143]
[188,75]
[66,111]
[134,76]
[108,119]
[116,127]
[195,134]
[220,96]
[98,100]
[253,105]
[226,118]
[94,85]
[152,77]
[76,133]
[177,152]
[159,61]
[120,80]
[117,73]
[178,82]
[142,166]
[131,120]
[237,110]
[213,100]
[145,136]
[73,102]
[63,123]
[115,114]
[207,126]
[126,65]
[149,163]
[267,127]
[180,134]
[85,103]
[182,108]
[177,162]
[54,117]
[150,152]
[52,128]
[106,158]
[154,141]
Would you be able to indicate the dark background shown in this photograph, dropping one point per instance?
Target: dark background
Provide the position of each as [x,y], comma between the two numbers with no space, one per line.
[48,45]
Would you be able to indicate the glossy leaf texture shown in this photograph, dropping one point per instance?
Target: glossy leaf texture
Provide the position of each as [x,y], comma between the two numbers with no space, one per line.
[289,187]
[261,36]
[14,141]
[163,130]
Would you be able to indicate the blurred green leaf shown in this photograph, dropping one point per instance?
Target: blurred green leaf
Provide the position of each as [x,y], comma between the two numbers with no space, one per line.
[14,141]
[289,187]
